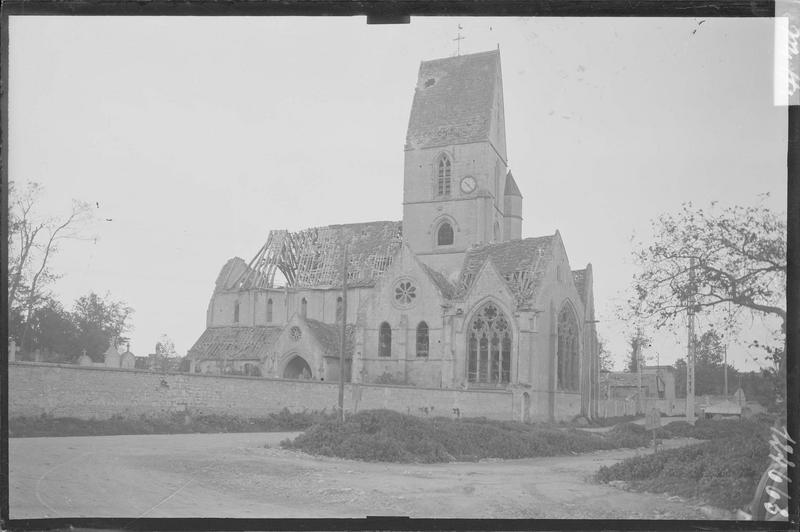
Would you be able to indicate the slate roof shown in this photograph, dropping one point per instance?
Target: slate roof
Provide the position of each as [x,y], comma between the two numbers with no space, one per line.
[453,100]
[234,343]
[328,335]
[522,263]
[579,278]
[440,281]
[511,186]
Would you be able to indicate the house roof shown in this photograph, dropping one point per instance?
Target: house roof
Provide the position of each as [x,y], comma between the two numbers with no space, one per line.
[329,337]
[522,263]
[511,186]
[453,100]
[234,343]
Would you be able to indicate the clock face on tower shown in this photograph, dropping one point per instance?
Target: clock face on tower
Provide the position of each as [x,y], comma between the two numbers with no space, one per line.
[468,184]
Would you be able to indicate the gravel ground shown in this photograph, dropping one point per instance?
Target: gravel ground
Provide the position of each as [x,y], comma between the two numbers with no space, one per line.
[248,475]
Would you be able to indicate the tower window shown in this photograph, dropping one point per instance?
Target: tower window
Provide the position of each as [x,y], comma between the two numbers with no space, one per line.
[444,236]
[444,172]
[422,339]
[236,312]
[338,309]
[385,340]
[269,310]
[303,307]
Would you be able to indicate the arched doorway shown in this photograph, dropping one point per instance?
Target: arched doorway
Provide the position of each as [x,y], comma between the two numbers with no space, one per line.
[297,368]
[489,347]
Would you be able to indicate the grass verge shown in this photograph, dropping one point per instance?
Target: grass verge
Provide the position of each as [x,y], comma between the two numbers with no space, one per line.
[177,423]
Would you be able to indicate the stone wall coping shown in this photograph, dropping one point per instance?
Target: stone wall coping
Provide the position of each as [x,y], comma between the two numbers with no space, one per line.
[250,378]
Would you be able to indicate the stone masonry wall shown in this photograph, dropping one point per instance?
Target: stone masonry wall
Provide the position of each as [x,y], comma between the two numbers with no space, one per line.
[88,392]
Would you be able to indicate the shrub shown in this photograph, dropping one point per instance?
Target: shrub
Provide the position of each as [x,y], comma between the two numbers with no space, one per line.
[723,472]
[384,435]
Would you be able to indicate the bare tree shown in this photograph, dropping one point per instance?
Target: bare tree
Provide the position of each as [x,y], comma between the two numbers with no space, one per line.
[725,261]
[32,241]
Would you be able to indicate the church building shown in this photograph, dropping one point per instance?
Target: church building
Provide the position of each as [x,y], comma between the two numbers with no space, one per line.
[450,297]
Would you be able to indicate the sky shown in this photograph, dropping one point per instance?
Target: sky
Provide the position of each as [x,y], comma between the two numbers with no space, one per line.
[192,137]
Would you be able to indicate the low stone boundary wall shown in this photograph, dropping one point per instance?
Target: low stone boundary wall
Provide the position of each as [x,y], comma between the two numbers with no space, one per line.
[627,407]
[94,392]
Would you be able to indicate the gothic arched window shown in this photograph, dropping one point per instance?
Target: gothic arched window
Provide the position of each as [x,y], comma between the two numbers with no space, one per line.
[303,307]
[236,312]
[423,343]
[444,235]
[269,310]
[338,309]
[385,340]
[489,347]
[568,362]
[444,171]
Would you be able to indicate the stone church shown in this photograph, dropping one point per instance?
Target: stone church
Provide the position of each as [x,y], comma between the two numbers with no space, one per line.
[452,296]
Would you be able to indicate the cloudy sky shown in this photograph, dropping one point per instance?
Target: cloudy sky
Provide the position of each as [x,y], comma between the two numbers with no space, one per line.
[196,136]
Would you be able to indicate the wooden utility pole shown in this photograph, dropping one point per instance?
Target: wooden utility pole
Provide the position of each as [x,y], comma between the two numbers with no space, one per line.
[638,354]
[690,348]
[344,330]
[726,372]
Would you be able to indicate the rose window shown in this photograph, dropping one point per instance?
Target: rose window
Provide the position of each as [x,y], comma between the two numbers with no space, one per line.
[405,293]
[295,333]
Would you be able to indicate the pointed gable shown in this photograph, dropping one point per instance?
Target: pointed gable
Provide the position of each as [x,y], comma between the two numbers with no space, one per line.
[458,100]
[511,186]
[521,263]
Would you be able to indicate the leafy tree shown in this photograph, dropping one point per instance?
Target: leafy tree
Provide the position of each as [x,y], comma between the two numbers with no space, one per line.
[606,359]
[638,341]
[165,355]
[53,332]
[33,239]
[726,261]
[97,319]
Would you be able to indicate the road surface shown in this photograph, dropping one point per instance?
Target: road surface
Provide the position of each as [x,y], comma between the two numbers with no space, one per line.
[250,476]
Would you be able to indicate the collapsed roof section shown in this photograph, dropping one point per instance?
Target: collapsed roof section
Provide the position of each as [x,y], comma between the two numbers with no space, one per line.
[313,257]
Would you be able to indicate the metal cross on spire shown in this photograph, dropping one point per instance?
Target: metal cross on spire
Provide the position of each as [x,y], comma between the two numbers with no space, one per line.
[458,40]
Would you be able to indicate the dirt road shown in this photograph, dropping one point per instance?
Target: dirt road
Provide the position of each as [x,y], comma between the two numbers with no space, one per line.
[247,475]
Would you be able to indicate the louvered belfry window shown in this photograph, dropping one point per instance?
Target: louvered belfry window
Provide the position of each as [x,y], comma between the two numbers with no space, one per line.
[444,172]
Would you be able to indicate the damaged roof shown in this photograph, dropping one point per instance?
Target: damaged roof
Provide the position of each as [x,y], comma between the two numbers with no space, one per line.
[234,343]
[313,257]
[453,100]
[522,263]
[329,337]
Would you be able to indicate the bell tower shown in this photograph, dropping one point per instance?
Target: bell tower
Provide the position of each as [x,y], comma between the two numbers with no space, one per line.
[456,167]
